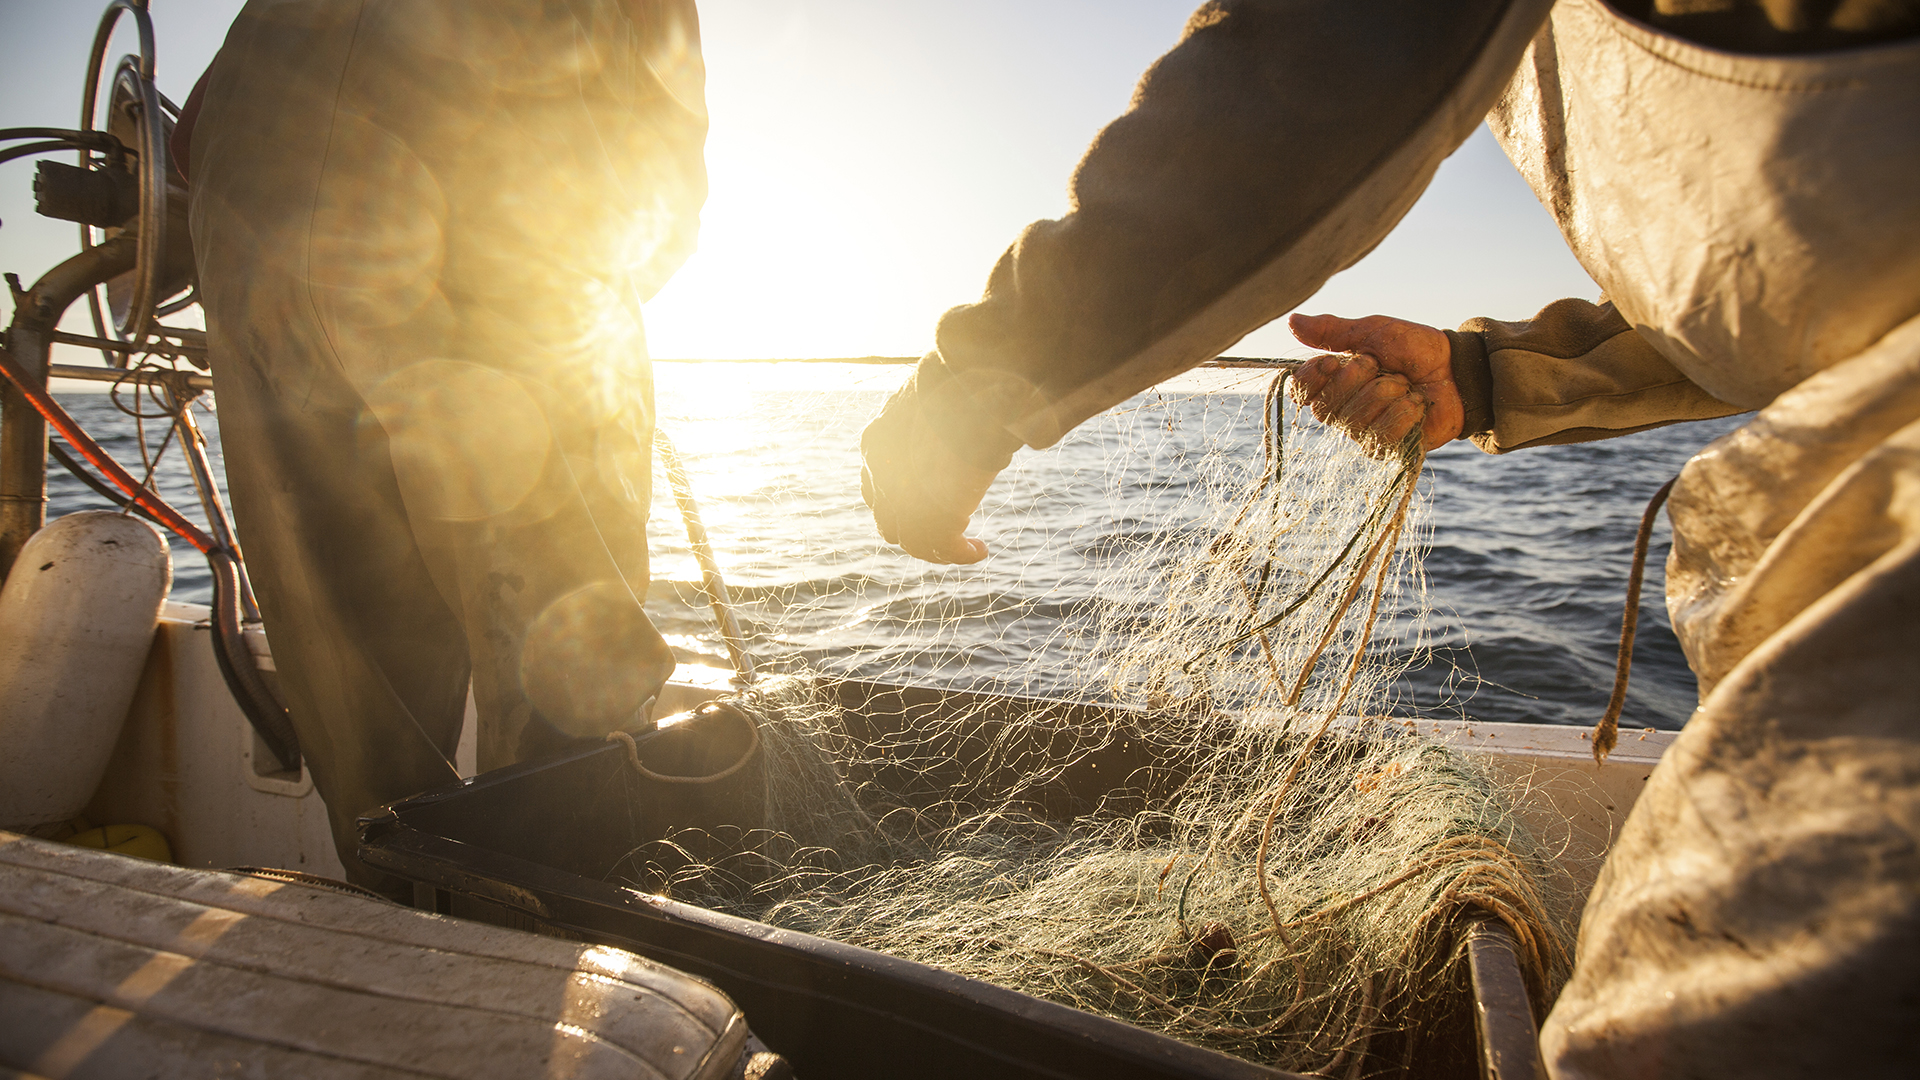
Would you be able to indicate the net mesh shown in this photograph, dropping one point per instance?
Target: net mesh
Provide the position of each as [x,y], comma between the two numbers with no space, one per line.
[1162,784]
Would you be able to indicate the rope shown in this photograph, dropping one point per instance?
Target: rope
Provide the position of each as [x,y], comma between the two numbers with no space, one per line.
[633,755]
[711,583]
[81,474]
[1606,734]
[61,421]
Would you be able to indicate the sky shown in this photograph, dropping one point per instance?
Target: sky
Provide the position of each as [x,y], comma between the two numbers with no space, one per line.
[869,160]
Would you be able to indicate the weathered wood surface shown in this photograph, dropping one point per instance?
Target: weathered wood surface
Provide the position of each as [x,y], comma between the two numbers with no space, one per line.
[110,966]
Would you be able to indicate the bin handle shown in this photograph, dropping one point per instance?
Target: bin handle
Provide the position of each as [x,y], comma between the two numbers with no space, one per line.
[633,754]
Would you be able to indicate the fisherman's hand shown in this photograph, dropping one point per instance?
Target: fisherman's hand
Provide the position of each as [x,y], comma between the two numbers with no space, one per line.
[921,486]
[1397,375]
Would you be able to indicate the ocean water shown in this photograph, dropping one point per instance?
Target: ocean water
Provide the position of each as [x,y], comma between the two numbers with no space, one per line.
[1526,572]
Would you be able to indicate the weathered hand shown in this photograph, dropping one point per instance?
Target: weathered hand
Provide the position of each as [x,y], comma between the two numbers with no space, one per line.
[1400,376]
[921,493]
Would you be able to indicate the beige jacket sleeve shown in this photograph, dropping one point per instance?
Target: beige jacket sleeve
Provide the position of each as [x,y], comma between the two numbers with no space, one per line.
[1232,188]
[1575,372]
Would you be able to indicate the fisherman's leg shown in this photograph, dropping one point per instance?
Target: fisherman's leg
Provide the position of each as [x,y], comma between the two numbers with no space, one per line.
[525,473]
[372,664]
[551,586]
[498,194]
[371,661]
[569,172]
[521,448]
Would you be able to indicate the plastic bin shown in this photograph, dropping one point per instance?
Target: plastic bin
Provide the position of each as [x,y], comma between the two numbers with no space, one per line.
[540,839]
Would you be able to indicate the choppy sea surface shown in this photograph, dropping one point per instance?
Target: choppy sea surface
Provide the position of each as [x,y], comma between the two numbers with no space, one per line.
[1526,571]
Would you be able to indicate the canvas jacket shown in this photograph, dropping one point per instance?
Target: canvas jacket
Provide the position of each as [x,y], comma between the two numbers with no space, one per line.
[1750,213]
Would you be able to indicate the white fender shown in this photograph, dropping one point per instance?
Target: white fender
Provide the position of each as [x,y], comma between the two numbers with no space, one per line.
[77,617]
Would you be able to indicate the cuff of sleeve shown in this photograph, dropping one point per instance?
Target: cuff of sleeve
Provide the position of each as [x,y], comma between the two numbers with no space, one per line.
[1473,378]
[958,418]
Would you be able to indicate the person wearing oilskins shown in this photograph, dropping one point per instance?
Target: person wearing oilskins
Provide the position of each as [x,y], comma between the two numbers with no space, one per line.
[1738,177]
[424,231]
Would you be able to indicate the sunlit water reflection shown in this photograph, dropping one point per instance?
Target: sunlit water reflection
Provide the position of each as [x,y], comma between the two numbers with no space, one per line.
[1527,570]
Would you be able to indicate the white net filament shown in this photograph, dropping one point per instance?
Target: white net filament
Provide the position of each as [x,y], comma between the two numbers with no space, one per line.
[1230,842]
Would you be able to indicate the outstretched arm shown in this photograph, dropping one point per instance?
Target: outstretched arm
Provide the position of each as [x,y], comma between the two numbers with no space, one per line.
[924,469]
[1275,145]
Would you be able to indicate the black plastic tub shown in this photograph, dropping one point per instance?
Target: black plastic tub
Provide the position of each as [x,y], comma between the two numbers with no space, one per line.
[541,840]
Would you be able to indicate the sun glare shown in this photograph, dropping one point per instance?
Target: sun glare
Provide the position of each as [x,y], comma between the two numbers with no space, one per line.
[794,261]
[853,196]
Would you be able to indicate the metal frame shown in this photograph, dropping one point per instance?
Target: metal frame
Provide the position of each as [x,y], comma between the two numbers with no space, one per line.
[29,341]
[134,74]
[1502,1010]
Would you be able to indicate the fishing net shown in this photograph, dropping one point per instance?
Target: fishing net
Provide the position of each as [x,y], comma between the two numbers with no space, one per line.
[1161,782]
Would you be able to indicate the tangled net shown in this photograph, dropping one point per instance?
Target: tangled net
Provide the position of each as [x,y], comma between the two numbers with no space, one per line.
[1230,846]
